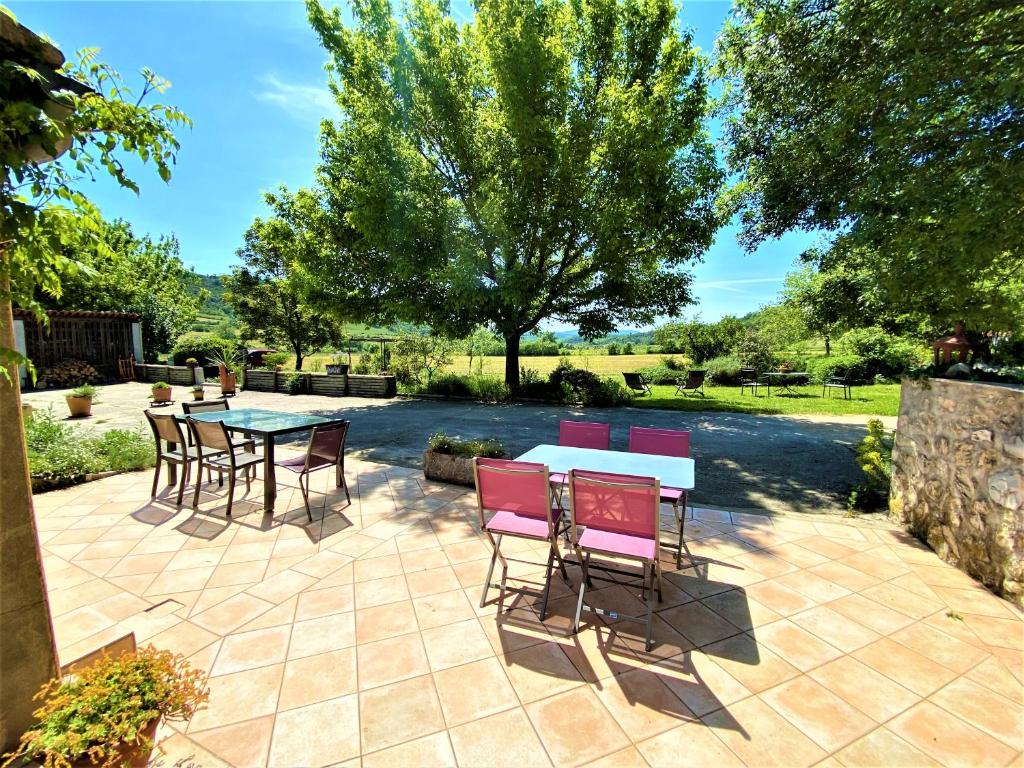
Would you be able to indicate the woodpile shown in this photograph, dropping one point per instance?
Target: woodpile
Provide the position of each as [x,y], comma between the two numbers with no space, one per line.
[69,373]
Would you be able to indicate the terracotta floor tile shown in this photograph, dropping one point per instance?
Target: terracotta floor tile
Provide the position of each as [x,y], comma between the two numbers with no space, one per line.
[779,598]
[323,602]
[325,733]
[940,647]
[253,551]
[399,712]
[816,587]
[376,568]
[274,617]
[872,615]
[322,564]
[828,720]
[432,581]
[740,610]
[702,685]
[948,739]
[237,573]
[195,558]
[279,587]
[391,589]
[993,675]
[641,703]
[514,630]
[976,600]
[318,678]
[698,623]
[247,650]
[389,661]
[624,758]
[845,576]
[474,691]
[240,696]
[753,665]
[505,740]
[868,690]
[873,564]
[601,651]
[883,747]
[795,644]
[908,668]
[834,628]
[434,751]
[942,575]
[539,671]
[442,608]
[898,599]
[696,741]
[1006,633]
[985,710]
[762,737]
[385,621]
[242,744]
[423,559]
[455,644]
[133,565]
[232,613]
[797,555]
[575,728]
[184,637]
[328,633]
[824,546]
[699,585]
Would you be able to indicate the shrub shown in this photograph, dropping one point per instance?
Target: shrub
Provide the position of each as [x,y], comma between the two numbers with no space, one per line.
[627,348]
[86,390]
[488,447]
[295,384]
[587,387]
[723,370]
[881,352]
[273,359]
[874,457]
[820,368]
[660,374]
[89,715]
[539,348]
[613,349]
[755,351]
[198,345]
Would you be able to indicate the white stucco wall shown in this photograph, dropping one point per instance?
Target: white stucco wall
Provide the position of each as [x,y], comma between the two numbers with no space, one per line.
[137,342]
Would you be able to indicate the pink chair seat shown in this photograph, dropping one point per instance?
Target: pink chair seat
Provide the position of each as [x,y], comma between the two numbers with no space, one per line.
[619,544]
[557,478]
[671,494]
[298,463]
[521,525]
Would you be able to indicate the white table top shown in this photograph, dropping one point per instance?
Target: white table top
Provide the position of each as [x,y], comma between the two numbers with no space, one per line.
[670,471]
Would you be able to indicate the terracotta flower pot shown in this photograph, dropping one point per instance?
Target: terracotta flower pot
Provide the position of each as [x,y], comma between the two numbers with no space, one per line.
[198,394]
[162,395]
[227,383]
[79,406]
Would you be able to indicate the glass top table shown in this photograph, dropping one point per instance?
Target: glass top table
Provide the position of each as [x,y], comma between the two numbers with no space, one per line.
[671,471]
[268,425]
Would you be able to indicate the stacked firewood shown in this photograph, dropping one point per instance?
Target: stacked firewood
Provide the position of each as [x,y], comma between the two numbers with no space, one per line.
[69,373]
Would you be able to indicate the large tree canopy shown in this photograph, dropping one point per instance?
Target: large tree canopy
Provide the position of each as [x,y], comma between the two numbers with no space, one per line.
[897,126]
[122,272]
[267,290]
[546,160]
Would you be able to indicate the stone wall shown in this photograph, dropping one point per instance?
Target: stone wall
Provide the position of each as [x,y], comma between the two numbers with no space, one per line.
[958,476]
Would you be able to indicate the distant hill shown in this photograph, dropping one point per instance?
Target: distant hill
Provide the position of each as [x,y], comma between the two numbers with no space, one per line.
[215,312]
[620,337]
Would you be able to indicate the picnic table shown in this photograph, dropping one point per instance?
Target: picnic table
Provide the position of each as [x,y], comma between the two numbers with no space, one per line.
[784,381]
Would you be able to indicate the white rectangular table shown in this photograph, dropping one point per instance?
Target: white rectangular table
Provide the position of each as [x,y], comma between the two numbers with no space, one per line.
[671,471]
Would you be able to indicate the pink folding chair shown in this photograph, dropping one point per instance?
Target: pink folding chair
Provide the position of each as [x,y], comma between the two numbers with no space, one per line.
[619,515]
[326,449]
[665,442]
[518,493]
[580,434]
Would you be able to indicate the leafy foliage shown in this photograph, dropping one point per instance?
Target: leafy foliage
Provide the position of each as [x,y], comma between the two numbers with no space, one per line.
[755,350]
[485,388]
[104,705]
[198,345]
[61,454]
[895,125]
[700,341]
[489,448]
[295,384]
[579,386]
[267,291]
[724,369]
[421,355]
[874,457]
[546,160]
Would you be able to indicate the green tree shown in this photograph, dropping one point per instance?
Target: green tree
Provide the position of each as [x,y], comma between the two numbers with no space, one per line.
[698,340]
[895,125]
[126,273]
[548,159]
[422,353]
[267,291]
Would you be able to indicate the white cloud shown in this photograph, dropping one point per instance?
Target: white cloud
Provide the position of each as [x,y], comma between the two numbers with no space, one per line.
[734,286]
[306,102]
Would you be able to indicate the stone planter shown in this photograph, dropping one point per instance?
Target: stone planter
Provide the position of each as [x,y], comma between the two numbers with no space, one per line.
[446,468]
[80,407]
[337,369]
[161,395]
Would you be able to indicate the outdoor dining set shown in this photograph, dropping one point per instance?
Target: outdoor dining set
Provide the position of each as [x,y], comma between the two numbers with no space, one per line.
[749,378]
[607,504]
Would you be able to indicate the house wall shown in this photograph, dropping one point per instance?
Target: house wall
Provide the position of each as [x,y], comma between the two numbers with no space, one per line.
[958,476]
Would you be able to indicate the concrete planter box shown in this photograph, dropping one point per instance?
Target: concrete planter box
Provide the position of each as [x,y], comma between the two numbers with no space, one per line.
[446,468]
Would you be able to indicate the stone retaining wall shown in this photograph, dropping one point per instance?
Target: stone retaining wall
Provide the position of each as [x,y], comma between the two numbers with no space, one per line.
[958,476]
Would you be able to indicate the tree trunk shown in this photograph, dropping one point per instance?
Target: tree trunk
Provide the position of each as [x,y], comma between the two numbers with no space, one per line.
[512,362]
[28,656]
[828,346]
[298,358]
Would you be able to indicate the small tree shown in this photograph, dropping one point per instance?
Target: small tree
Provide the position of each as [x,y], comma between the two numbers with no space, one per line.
[267,292]
[423,353]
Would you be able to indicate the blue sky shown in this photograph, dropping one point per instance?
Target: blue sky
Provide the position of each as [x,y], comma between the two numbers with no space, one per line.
[250,75]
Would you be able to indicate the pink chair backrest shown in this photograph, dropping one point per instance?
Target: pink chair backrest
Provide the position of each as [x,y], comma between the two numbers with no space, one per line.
[584,434]
[605,501]
[512,486]
[660,442]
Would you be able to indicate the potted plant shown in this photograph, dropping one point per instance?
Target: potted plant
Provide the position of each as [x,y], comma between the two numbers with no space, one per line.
[80,400]
[161,392]
[197,392]
[449,460]
[337,368]
[785,367]
[106,714]
[227,362]
[191,362]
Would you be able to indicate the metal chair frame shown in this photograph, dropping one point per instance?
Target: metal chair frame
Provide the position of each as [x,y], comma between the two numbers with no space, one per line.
[694,382]
[339,464]
[637,382]
[215,459]
[838,382]
[181,457]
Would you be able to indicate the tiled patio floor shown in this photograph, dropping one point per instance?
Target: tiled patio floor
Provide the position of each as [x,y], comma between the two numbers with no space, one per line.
[358,640]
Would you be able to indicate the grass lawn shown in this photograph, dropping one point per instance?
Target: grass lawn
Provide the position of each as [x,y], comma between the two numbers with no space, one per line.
[873,400]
